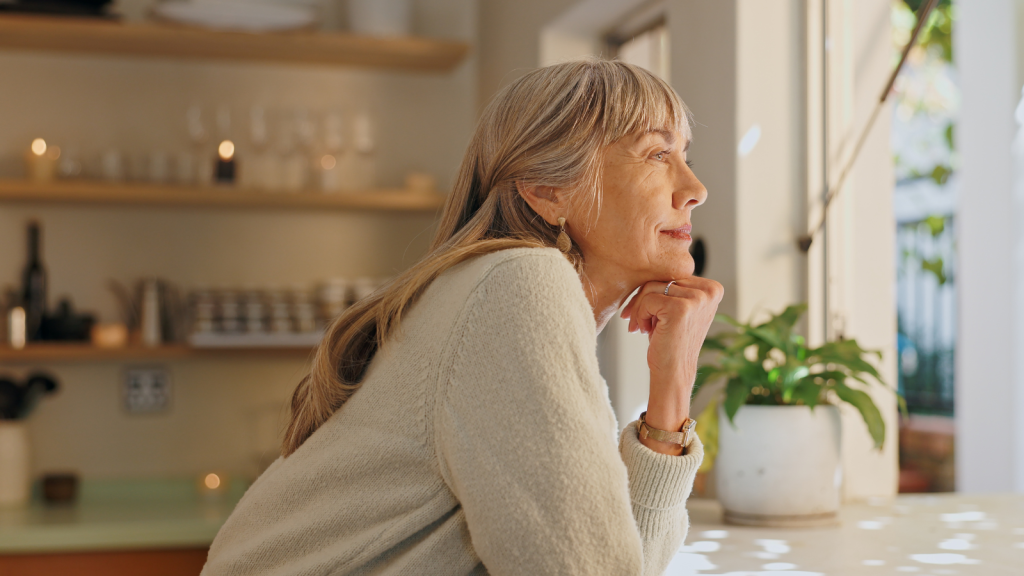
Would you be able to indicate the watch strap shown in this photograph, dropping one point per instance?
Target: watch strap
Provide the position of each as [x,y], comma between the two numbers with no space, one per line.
[644,430]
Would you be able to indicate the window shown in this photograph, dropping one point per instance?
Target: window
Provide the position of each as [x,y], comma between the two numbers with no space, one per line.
[642,39]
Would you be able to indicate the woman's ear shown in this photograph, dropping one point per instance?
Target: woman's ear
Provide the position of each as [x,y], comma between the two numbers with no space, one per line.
[547,201]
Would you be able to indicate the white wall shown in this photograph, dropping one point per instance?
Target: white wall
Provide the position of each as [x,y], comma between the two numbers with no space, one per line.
[862,239]
[770,176]
[510,40]
[990,348]
[746,63]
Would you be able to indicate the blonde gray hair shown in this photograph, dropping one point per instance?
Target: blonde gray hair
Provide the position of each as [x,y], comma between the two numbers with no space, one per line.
[548,128]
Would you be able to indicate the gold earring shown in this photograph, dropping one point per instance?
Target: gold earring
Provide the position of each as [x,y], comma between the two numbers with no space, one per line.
[564,243]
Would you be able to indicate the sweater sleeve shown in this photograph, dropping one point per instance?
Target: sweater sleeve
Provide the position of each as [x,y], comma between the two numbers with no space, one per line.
[659,485]
[526,436]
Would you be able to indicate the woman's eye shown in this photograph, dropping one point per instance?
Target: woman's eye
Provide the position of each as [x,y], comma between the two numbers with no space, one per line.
[661,155]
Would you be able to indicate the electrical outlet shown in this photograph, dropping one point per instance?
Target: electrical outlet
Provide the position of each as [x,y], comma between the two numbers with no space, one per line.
[146,390]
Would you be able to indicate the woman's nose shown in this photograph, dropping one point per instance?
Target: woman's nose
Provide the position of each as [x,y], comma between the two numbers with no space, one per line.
[690,193]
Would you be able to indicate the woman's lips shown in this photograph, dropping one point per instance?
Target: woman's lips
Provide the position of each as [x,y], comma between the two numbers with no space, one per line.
[681,233]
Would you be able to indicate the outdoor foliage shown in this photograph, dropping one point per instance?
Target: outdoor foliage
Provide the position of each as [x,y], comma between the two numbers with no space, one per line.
[938,31]
[767,364]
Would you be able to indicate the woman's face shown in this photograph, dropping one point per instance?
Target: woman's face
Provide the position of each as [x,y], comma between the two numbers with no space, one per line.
[642,231]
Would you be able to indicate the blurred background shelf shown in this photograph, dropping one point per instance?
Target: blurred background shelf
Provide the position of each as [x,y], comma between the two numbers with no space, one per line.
[169,41]
[128,194]
[84,352]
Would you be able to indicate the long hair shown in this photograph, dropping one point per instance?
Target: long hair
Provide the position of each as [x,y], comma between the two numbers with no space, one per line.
[548,128]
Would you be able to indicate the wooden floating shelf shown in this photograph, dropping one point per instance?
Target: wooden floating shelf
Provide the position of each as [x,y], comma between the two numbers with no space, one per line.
[150,39]
[141,194]
[75,352]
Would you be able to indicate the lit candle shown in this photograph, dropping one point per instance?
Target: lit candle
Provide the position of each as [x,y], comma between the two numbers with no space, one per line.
[16,324]
[225,172]
[329,180]
[41,161]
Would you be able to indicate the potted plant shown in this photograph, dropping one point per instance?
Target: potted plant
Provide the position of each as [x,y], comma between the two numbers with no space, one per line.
[778,436]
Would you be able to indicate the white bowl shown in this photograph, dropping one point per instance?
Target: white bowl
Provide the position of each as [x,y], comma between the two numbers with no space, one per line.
[236,15]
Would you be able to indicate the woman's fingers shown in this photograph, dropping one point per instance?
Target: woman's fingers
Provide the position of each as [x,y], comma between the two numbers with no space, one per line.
[692,287]
[648,288]
[677,325]
[655,307]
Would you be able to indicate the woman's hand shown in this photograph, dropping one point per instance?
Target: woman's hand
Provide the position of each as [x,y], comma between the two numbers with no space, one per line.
[676,325]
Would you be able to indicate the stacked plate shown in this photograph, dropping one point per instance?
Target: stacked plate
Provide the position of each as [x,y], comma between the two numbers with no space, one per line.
[240,15]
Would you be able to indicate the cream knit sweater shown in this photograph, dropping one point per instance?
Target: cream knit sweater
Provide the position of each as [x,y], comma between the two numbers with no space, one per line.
[481,442]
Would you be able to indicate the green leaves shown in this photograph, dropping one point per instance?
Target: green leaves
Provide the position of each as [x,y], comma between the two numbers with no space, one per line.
[767,364]
[940,174]
[736,393]
[807,392]
[935,266]
[845,353]
[936,225]
[863,403]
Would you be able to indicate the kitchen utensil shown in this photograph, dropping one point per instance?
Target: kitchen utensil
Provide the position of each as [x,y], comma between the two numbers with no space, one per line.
[66,325]
[10,398]
[37,386]
[149,324]
[109,335]
[15,464]
[60,488]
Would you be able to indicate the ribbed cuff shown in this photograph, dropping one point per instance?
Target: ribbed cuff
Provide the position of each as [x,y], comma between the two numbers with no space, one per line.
[657,480]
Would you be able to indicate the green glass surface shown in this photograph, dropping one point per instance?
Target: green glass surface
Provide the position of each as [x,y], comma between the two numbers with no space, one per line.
[120,515]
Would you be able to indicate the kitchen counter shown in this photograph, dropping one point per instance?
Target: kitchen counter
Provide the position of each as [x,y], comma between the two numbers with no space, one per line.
[940,535]
[119,515]
[927,535]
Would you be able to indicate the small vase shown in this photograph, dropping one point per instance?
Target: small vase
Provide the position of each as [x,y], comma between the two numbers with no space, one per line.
[15,466]
[780,466]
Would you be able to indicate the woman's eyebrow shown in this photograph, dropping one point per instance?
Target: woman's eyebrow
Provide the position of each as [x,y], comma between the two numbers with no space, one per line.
[669,137]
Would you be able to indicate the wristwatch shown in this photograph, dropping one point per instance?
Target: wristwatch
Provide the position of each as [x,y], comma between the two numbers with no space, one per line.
[644,430]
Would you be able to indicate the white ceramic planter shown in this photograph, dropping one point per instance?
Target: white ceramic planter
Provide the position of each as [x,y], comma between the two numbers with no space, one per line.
[779,466]
[15,471]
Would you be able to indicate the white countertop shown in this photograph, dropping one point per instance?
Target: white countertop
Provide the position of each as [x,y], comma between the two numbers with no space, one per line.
[939,535]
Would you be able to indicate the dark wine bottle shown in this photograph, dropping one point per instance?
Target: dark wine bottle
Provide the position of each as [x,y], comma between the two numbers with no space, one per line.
[33,286]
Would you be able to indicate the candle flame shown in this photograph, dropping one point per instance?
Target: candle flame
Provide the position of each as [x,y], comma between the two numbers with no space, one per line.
[39,146]
[226,150]
[212,481]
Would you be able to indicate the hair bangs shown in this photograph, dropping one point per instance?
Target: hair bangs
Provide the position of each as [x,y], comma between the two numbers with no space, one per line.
[639,102]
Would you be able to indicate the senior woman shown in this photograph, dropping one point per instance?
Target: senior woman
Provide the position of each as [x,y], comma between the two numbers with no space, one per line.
[455,422]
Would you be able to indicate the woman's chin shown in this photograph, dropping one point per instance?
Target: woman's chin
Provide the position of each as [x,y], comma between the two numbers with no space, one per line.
[678,269]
